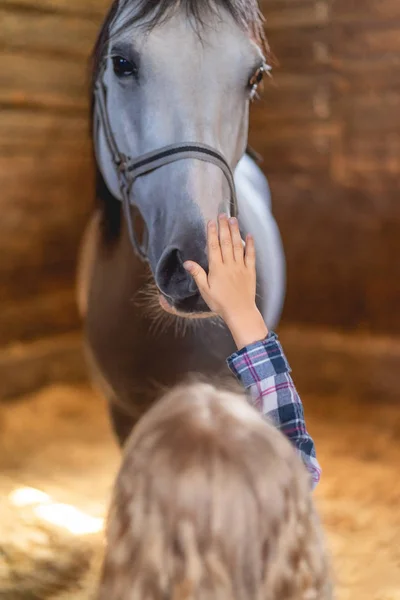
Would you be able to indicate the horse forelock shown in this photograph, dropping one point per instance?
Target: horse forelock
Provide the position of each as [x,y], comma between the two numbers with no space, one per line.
[246,14]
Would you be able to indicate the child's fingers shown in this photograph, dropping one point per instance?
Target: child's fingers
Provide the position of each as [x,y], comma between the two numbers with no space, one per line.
[198,274]
[238,250]
[214,249]
[225,240]
[250,252]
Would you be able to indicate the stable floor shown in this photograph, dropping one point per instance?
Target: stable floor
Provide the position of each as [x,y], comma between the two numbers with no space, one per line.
[58,442]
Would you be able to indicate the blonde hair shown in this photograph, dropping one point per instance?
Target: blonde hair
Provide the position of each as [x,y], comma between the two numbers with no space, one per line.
[211,503]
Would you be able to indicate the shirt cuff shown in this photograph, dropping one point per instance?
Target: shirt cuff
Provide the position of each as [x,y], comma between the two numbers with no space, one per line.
[259,361]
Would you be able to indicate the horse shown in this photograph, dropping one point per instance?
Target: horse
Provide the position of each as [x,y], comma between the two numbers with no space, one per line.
[171,88]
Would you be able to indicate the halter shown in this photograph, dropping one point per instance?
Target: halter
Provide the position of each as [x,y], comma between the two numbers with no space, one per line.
[129,168]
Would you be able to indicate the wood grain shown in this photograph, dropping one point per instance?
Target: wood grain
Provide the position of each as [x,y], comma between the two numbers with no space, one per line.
[330,136]
[295,147]
[49,81]
[308,51]
[46,175]
[328,127]
[372,12]
[27,132]
[49,34]
[53,196]
[45,201]
[360,41]
[286,14]
[94,10]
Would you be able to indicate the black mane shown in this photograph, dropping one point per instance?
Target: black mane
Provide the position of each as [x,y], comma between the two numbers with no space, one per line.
[150,13]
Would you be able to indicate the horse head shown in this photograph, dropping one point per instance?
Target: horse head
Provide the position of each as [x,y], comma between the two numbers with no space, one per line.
[173,75]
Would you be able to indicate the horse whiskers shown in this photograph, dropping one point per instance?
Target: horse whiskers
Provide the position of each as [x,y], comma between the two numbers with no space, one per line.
[147,299]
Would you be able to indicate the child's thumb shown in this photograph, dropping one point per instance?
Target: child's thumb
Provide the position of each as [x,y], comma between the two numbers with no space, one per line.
[197,272]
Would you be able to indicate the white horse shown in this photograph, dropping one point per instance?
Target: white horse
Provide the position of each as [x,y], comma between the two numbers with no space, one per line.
[172,83]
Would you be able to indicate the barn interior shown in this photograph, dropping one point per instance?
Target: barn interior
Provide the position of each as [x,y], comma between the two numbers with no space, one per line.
[328,129]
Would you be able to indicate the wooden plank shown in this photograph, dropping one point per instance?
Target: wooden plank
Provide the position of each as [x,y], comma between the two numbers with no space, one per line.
[27,132]
[339,47]
[289,81]
[303,49]
[319,238]
[368,158]
[47,33]
[296,147]
[286,131]
[365,11]
[358,77]
[296,97]
[33,172]
[276,4]
[373,112]
[301,155]
[45,81]
[45,164]
[45,204]
[292,15]
[367,43]
[374,155]
[338,232]
[94,9]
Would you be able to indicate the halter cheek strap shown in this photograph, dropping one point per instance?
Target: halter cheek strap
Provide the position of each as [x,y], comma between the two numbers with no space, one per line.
[129,169]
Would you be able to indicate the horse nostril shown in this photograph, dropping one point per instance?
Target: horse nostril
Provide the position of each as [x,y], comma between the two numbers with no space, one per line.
[173,265]
[172,278]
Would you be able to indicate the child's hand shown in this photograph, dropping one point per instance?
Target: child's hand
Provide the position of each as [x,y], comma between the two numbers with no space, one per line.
[230,287]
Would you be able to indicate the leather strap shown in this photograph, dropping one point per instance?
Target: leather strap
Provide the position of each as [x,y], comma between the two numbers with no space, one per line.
[130,169]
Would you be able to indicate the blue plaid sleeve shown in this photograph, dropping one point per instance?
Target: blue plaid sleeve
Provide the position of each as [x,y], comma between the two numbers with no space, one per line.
[263,370]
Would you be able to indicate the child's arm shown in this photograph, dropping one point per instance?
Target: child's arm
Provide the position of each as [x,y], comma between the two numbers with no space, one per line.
[260,364]
[263,370]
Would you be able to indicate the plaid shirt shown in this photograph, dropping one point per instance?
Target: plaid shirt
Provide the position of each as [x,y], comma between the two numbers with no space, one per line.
[263,370]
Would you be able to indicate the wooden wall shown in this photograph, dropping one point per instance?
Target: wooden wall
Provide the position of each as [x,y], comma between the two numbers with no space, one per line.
[45,176]
[329,129]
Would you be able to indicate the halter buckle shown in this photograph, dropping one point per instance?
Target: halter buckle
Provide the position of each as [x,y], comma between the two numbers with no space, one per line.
[122,165]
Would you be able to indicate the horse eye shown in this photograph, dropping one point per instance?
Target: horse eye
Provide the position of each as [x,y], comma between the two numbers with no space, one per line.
[122,67]
[257,78]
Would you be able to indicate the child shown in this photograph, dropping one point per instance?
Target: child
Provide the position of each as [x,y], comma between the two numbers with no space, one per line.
[260,364]
[211,501]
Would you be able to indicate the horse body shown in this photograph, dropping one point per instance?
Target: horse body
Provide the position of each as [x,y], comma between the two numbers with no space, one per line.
[135,350]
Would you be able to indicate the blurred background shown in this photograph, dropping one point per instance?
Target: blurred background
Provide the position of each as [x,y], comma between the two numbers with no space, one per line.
[328,129]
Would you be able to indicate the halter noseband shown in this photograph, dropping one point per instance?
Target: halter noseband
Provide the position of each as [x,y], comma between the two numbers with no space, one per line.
[129,169]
